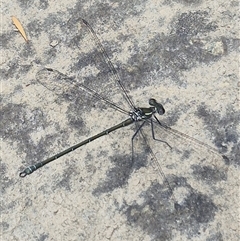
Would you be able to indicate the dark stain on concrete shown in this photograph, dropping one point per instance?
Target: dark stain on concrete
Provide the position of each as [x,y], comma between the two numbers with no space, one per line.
[4,226]
[226,131]
[159,218]
[118,176]
[6,181]
[208,174]
[64,180]
[185,2]
[43,237]
[170,55]
[215,237]
[18,121]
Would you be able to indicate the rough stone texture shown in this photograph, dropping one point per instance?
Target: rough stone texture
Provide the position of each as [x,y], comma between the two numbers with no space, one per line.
[185,54]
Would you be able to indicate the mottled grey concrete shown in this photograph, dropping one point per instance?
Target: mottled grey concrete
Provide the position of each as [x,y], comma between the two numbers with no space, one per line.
[185,54]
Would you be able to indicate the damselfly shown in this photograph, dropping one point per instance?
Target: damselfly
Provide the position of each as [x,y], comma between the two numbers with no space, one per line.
[58,82]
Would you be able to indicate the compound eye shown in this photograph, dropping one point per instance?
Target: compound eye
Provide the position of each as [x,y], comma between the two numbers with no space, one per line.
[152,102]
[158,106]
[160,109]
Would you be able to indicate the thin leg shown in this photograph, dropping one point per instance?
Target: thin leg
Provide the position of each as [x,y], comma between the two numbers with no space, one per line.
[138,129]
[153,135]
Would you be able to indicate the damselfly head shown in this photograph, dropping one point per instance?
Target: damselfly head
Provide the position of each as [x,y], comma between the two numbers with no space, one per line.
[158,106]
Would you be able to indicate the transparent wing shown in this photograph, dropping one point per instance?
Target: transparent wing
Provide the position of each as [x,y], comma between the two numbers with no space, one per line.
[177,156]
[85,63]
[70,89]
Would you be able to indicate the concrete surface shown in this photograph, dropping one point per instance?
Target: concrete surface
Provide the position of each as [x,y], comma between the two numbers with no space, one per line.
[185,54]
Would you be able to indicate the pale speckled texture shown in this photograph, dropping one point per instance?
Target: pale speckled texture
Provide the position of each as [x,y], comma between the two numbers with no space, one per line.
[183,53]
